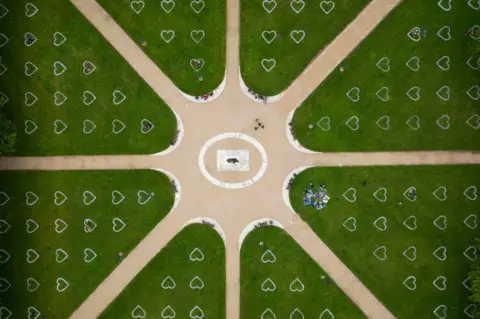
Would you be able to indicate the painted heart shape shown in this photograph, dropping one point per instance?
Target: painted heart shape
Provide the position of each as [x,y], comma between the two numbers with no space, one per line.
[414,63]
[3,198]
[414,93]
[441,222]
[118,97]
[296,314]
[60,226]
[268,285]
[3,40]
[143,197]
[470,311]
[474,92]
[197,64]
[31,198]
[89,225]
[444,63]
[29,39]
[59,68]
[32,226]
[440,283]
[117,126]
[117,197]
[5,313]
[297,286]
[167,35]
[3,11]
[59,98]
[62,284]
[441,253]
[60,198]
[88,127]
[440,312]
[168,283]
[414,34]
[410,253]
[88,67]
[353,123]
[354,94]
[146,126]
[327,314]
[32,256]
[3,69]
[268,64]
[60,255]
[196,283]
[383,94]
[168,313]
[410,282]
[384,64]
[446,5]
[327,6]
[471,253]
[4,226]
[59,127]
[32,284]
[350,195]
[30,10]
[137,6]
[30,99]
[197,35]
[4,256]
[33,313]
[467,283]
[444,122]
[474,6]
[440,193]
[472,62]
[268,314]
[269,5]
[167,5]
[324,123]
[196,255]
[59,39]
[297,35]
[474,32]
[411,222]
[88,198]
[88,97]
[4,99]
[381,194]
[384,123]
[471,221]
[196,313]
[4,285]
[444,93]
[380,253]
[197,5]
[138,312]
[444,33]
[380,223]
[89,255]
[297,5]
[471,193]
[118,225]
[268,257]
[414,122]
[30,69]
[350,224]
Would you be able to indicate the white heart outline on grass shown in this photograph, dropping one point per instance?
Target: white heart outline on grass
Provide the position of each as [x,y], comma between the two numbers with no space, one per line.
[27,98]
[469,63]
[30,222]
[86,227]
[57,195]
[473,224]
[138,312]
[294,33]
[168,283]
[196,283]
[410,283]
[448,7]
[58,35]
[4,229]
[116,222]
[416,60]
[268,257]
[406,222]
[85,67]
[443,250]
[168,312]
[268,285]
[31,256]
[472,31]
[355,90]
[327,6]
[383,94]
[468,255]
[295,313]
[265,36]
[354,224]
[60,255]
[268,312]
[5,198]
[196,251]
[86,253]
[4,256]
[118,97]
[442,308]
[467,283]
[414,93]
[443,194]
[357,123]
[140,197]
[3,69]
[441,124]
[416,39]
[467,191]
[410,256]
[272,63]
[59,98]
[383,192]
[443,281]
[444,93]
[30,6]
[28,196]
[194,35]
[134,5]
[56,65]
[470,310]
[117,197]
[116,122]
[61,281]
[444,63]
[88,123]
[381,62]
[194,3]
[4,285]
[267,2]
[384,123]
[35,283]
[56,125]
[201,64]
[33,313]
[416,125]
[86,95]
[29,65]
[167,35]
[60,222]
[472,6]
[5,40]
[293,3]
[5,9]
[351,198]
[441,35]
[297,282]
[5,99]
[88,197]
[477,89]
[25,37]
[441,219]
[383,251]
[383,221]
[324,126]
[167,2]
[196,313]
[328,313]
[142,125]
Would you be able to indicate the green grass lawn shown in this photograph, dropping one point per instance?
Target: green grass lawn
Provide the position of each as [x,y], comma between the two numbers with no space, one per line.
[412,124]
[61,229]
[185,280]
[356,231]
[167,28]
[102,127]
[312,28]
[280,276]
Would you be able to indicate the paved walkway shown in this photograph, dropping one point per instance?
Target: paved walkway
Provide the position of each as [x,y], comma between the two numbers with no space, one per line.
[234,112]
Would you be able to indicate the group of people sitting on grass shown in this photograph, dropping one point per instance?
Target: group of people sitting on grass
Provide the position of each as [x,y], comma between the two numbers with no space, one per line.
[258,96]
